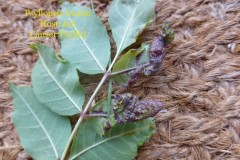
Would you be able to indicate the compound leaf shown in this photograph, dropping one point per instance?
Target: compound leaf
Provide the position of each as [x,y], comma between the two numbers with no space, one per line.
[43,133]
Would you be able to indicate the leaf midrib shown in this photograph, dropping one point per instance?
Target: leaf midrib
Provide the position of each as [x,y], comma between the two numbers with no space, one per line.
[55,80]
[128,27]
[90,51]
[38,120]
[108,139]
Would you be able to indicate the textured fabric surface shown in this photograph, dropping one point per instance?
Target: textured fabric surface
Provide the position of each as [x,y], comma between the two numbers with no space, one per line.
[198,82]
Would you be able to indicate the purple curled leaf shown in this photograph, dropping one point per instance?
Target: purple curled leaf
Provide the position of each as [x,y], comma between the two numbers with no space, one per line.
[144,109]
[153,57]
[128,108]
[156,54]
[157,51]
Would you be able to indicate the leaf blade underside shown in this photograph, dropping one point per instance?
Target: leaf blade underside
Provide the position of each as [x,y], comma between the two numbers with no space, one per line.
[89,54]
[55,84]
[43,133]
[126,61]
[121,141]
[127,19]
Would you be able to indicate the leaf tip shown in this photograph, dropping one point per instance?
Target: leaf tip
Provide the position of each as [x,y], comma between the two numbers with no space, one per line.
[167,33]
[60,59]
[34,46]
[11,86]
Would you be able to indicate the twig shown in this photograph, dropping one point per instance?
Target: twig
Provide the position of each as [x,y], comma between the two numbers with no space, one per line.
[82,115]
[110,91]
[96,115]
[110,82]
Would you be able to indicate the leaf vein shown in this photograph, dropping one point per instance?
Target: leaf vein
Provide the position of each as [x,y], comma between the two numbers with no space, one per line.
[90,51]
[57,81]
[40,123]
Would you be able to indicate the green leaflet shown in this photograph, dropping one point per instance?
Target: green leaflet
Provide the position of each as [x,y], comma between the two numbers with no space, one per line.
[119,143]
[144,57]
[55,84]
[102,107]
[98,125]
[132,58]
[87,79]
[167,33]
[128,18]
[90,51]
[128,108]
[43,134]
[126,61]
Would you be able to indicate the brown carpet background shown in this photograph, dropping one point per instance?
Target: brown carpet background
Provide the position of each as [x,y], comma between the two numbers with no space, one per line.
[198,82]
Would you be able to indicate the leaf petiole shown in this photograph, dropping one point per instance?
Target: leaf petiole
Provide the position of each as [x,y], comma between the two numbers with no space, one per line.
[96,115]
[128,69]
[110,83]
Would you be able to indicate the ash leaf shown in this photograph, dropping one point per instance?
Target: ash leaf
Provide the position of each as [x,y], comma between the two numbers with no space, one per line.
[121,142]
[101,107]
[128,60]
[156,54]
[167,33]
[128,108]
[82,50]
[146,62]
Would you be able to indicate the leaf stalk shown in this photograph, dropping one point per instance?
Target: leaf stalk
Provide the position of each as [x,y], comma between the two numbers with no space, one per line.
[96,115]
[129,69]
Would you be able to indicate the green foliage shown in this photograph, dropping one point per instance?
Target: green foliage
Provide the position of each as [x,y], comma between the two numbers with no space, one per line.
[127,61]
[128,18]
[128,108]
[43,134]
[101,107]
[56,84]
[98,125]
[119,143]
[40,112]
[144,57]
[90,50]
[167,33]
[133,58]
